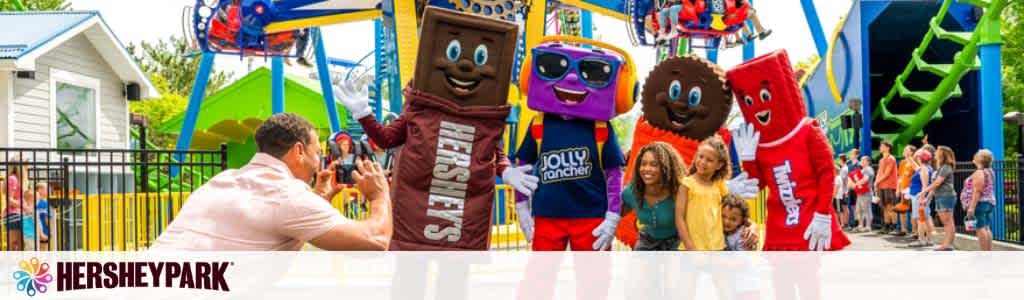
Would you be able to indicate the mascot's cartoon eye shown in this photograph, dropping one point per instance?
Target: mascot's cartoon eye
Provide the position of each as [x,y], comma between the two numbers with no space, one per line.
[675,90]
[596,72]
[694,98]
[480,55]
[551,66]
[749,100]
[454,50]
[766,95]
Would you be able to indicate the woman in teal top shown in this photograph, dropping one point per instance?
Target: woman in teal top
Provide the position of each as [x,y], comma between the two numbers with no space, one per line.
[656,181]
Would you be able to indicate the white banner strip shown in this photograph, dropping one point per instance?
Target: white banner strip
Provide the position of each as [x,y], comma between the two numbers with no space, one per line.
[512,275]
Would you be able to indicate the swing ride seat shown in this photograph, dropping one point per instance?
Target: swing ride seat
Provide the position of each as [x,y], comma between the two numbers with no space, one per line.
[695,21]
[224,33]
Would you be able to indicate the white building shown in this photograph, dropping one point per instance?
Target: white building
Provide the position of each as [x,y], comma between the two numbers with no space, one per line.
[65,82]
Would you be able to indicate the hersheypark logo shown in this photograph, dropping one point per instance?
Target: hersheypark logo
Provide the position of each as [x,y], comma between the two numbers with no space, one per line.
[34,276]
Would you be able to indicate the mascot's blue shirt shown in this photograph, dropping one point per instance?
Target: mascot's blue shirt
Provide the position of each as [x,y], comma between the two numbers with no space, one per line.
[571,183]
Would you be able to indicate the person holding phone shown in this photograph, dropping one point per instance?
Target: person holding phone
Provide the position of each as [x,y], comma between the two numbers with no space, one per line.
[268,204]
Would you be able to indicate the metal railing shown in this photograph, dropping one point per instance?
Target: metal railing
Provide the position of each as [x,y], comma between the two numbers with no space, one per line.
[98,199]
[121,200]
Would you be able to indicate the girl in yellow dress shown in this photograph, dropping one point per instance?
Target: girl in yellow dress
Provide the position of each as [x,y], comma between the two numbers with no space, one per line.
[699,210]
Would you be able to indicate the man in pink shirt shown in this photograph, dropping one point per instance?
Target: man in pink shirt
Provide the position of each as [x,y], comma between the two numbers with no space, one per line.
[268,204]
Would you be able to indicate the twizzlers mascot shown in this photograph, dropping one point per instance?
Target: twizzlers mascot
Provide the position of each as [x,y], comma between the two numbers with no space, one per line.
[788,152]
[685,100]
[570,143]
[450,132]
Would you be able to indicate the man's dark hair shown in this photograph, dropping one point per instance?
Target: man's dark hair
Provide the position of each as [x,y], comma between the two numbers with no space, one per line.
[887,144]
[280,132]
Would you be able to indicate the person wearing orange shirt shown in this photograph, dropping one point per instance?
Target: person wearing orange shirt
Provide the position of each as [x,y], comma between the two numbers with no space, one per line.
[906,170]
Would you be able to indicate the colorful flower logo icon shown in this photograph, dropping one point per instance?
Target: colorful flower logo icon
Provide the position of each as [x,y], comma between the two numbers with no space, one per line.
[32,276]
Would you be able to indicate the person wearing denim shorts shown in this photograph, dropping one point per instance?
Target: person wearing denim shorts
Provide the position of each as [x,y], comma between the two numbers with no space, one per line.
[982,199]
[941,190]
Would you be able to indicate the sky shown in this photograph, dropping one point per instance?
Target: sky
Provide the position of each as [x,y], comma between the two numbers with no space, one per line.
[134,21]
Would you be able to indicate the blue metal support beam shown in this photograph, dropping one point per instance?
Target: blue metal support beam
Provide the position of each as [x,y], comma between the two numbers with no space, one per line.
[749,48]
[195,101]
[814,23]
[325,80]
[277,85]
[378,78]
[587,24]
[991,125]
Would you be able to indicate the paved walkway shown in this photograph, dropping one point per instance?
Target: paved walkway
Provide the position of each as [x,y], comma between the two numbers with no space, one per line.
[873,241]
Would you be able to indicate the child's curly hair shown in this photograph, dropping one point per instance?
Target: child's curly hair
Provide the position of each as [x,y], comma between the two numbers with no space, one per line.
[734,201]
[716,143]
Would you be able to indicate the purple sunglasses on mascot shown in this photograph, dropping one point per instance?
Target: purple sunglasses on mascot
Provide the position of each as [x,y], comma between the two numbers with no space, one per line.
[573,81]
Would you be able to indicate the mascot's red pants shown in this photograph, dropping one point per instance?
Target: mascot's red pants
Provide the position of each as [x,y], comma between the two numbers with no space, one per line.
[554,234]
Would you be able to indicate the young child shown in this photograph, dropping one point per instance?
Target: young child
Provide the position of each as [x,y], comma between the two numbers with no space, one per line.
[699,212]
[865,191]
[43,215]
[735,217]
[840,190]
[28,219]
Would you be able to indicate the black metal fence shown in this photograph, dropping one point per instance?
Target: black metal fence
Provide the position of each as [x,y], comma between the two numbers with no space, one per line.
[96,199]
[1010,173]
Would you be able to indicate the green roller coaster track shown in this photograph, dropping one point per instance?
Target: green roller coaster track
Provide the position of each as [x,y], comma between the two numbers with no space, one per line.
[965,60]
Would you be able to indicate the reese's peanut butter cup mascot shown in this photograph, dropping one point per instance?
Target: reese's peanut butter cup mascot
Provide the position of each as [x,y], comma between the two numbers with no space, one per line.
[787,151]
[450,132]
[571,144]
[686,100]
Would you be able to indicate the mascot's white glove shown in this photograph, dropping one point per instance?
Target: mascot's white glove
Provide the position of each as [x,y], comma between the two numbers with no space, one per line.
[525,219]
[819,233]
[520,179]
[743,186]
[746,139]
[355,99]
[605,232]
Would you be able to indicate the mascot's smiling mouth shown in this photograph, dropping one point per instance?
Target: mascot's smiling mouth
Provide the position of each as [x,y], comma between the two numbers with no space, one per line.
[678,119]
[461,87]
[764,116]
[571,97]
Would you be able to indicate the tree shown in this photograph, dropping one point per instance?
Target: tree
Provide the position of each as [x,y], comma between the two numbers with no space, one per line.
[173,61]
[624,125]
[159,110]
[172,69]
[1013,70]
[34,5]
